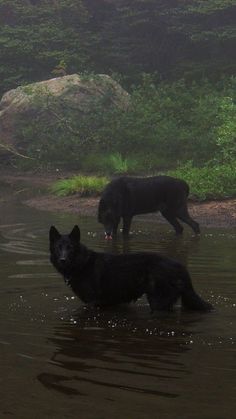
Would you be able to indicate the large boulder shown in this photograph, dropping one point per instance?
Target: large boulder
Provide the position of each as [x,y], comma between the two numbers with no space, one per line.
[72,91]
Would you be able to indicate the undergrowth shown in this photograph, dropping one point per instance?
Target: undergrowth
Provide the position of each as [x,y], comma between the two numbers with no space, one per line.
[209,182]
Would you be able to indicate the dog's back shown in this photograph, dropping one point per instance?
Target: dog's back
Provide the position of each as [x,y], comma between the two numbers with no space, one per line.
[150,194]
[128,195]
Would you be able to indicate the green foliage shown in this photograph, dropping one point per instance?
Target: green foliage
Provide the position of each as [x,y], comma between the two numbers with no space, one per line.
[44,38]
[226,132]
[166,124]
[116,164]
[110,164]
[62,134]
[174,122]
[209,182]
[208,7]
[35,37]
[83,185]
[120,165]
[151,43]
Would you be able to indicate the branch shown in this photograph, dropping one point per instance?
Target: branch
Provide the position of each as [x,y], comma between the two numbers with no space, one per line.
[63,120]
[15,152]
[67,124]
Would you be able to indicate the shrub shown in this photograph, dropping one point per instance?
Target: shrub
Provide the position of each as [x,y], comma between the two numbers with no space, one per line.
[226,132]
[208,182]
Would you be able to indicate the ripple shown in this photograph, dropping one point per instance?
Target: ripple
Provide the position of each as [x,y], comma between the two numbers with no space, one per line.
[52,339]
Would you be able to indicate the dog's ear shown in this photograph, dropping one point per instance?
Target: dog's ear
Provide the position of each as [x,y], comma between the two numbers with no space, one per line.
[54,234]
[75,234]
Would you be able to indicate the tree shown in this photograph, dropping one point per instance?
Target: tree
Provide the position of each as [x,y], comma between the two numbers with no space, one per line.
[36,36]
[174,38]
[191,37]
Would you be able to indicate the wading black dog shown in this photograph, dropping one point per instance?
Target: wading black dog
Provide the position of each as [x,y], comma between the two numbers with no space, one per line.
[106,279]
[125,197]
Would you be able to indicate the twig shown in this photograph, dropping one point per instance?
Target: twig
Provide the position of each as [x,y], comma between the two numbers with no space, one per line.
[15,152]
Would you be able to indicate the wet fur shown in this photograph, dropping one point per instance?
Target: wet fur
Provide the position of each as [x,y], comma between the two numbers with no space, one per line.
[107,279]
[125,197]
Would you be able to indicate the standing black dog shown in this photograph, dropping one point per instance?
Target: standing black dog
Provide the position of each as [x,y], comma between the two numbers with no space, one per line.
[107,279]
[125,197]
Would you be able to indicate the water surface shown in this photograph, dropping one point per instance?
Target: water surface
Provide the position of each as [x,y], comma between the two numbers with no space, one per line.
[60,359]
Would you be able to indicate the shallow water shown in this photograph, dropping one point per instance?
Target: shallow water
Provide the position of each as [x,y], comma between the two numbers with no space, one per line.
[62,360]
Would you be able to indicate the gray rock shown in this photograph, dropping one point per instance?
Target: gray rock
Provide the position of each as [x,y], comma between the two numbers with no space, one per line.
[72,92]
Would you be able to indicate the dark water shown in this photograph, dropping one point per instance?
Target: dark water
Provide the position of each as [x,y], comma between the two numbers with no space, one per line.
[59,359]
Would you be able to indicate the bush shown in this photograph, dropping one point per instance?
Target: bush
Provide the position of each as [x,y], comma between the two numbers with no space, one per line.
[166,124]
[226,132]
[208,182]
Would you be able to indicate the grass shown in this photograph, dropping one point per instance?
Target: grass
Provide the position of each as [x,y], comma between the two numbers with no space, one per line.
[209,182]
[118,163]
[113,163]
[83,185]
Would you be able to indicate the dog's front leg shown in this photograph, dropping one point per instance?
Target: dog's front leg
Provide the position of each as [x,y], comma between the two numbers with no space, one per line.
[115,227]
[126,224]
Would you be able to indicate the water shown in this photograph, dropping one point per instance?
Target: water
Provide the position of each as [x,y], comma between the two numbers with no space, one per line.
[59,359]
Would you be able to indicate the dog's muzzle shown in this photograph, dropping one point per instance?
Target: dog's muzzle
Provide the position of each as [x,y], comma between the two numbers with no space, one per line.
[108,235]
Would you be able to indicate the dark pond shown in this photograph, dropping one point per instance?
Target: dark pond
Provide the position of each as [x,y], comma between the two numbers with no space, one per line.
[62,360]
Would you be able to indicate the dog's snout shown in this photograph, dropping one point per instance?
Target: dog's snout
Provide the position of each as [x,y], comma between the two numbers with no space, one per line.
[108,235]
[63,257]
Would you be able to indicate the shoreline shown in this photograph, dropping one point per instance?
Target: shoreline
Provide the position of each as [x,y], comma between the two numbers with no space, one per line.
[32,189]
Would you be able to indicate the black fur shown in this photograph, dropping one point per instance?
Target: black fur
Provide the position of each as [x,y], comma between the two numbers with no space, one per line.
[108,279]
[125,197]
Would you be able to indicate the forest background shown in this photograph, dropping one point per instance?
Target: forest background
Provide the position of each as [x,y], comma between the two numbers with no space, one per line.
[176,59]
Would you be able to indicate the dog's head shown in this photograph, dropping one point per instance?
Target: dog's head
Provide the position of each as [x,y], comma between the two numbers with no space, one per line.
[64,248]
[108,215]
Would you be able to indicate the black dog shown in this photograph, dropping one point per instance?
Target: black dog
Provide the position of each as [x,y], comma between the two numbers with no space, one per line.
[106,279]
[125,197]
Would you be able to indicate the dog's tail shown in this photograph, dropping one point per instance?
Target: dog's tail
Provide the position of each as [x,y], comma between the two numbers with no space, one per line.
[191,300]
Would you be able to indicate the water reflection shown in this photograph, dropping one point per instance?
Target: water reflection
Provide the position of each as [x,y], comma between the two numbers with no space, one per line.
[120,350]
[177,247]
